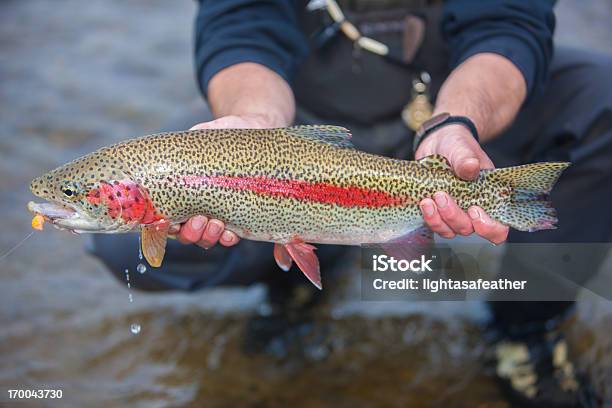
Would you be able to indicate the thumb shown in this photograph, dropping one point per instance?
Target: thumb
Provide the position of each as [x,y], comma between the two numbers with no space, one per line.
[218,123]
[465,164]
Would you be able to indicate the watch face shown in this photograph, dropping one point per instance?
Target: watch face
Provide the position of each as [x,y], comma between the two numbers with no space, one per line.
[432,122]
[427,126]
[436,120]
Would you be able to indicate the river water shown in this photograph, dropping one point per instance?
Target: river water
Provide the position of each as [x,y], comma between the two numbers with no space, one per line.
[74,78]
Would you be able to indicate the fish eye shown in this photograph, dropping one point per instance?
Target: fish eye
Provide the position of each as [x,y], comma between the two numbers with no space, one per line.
[69,189]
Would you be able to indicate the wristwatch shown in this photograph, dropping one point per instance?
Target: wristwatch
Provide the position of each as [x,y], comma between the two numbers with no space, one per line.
[440,120]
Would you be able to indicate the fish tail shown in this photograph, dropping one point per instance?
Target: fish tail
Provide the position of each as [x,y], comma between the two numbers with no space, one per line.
[529,207]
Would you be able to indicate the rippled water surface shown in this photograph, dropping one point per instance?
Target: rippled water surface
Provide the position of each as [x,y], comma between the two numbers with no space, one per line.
[73,78]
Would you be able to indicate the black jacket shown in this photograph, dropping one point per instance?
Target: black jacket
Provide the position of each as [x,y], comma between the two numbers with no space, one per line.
[267,32]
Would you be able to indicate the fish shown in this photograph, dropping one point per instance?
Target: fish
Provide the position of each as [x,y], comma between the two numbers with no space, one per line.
[294,187]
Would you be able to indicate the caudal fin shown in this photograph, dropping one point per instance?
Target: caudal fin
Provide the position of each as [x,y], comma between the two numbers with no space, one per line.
[529,208]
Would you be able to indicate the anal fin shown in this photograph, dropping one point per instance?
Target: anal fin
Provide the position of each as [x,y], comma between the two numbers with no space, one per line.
[411,245]
[305,258]
[153,238]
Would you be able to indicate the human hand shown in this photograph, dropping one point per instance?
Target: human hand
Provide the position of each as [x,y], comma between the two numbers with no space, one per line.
[201,230]
[466,157]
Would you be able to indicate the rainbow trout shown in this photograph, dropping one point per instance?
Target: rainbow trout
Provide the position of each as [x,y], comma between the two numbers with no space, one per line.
[292,186]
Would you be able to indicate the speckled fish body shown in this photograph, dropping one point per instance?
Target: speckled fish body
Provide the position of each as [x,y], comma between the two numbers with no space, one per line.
[289,186]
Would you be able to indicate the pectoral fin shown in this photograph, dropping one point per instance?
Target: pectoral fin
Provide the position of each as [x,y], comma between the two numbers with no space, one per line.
[282,257]
[153,238]
[305,258]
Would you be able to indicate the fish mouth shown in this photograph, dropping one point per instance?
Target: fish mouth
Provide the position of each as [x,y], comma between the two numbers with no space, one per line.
[63,217]
[52,211]
[66,217]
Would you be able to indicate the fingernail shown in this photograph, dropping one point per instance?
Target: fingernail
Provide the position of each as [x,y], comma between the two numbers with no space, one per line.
[474,213]
[440,199]
[214,227]
[226,236]
[428,209]
[197,222]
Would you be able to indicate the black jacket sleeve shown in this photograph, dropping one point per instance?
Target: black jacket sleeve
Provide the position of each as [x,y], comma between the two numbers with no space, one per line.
[520,30]
[234,31]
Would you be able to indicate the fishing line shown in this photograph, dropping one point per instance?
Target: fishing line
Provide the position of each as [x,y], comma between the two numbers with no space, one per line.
[20,243]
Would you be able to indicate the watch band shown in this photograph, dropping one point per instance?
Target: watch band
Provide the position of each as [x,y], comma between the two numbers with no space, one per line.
[440,120]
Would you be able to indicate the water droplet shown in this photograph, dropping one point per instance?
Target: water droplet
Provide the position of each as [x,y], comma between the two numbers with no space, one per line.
[139,247]
[135,328]
[141,268]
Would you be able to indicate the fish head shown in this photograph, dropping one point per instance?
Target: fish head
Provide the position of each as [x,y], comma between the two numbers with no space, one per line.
[91,194]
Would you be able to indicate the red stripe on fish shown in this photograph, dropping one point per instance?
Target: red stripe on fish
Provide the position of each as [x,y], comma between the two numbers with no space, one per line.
[303,190]
[125,199]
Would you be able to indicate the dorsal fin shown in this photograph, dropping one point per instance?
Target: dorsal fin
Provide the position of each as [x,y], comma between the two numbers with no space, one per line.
[435,162]
[332,135]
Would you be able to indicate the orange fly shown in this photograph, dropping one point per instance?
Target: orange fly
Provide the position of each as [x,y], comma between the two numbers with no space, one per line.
[37,222]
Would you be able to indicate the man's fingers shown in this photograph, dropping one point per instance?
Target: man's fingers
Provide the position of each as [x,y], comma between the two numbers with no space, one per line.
[465,164]
[433,220]
[207,125]
[487,227]
[228,239]
[191,232]
[212,233]
[445,218]
[486,163]
[453,216]
[205,233]
[219,123]
[228,122]
[469,168]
